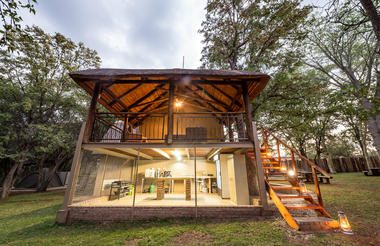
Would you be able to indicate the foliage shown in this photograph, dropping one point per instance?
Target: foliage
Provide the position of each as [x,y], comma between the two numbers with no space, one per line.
[252,35]
[11,20]
[42,108]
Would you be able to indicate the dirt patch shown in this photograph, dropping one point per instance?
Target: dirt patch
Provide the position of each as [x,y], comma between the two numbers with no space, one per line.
[132,241]
[192,238]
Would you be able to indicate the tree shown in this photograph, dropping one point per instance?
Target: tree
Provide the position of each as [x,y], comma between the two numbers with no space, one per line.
[11,19]
[350,58]
[42,101]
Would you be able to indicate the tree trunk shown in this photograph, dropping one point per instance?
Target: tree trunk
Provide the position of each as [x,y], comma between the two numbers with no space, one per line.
[45,183]
[41,172]
[10,179]
[363,145]
[374,17]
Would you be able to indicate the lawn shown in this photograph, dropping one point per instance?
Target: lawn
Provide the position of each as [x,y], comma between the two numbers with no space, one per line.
[29,219]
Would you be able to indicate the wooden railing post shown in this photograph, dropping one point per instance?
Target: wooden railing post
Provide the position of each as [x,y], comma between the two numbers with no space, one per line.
[317,190]
[248,110]
[170,113]
[278,151]
[294,167]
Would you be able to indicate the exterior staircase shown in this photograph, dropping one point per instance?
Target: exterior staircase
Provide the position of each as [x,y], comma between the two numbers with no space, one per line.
[301,209]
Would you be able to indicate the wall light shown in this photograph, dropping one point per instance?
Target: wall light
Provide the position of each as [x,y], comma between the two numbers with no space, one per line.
[343,223]
[178,104]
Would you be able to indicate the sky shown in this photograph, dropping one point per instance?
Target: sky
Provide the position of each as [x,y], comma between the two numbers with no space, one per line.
[130,33]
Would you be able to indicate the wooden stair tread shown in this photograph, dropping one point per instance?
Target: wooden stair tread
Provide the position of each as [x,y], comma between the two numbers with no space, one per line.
[302,206]
[271,180]
[290,196]
[312,219]
[270,162]
[285,188]
[271,167]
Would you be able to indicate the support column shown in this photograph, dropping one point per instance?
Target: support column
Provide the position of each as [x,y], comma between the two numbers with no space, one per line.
[259,166]
[248,110]
[73,178]
[170,113]
[91,113]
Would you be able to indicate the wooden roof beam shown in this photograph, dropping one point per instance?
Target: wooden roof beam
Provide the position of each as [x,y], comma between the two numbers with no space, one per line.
[226,95]
[146,96]
[161,152]
[213,98]
[212,152]
[134,152]
[124,94]
[113,95]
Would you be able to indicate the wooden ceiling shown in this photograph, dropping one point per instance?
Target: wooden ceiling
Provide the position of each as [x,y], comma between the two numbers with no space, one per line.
[133,90]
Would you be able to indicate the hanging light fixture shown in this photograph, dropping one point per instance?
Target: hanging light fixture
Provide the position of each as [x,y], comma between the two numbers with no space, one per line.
[303,188]
[344,224]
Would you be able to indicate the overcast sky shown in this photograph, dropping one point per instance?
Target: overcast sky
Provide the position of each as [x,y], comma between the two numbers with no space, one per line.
[129,33]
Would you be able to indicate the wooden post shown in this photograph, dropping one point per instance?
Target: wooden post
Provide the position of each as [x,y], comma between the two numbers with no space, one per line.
[259,166]
[91,114]
[195,183]
[248,110]
[74,172]
[170,113]
[317,190]
[294,167]
[278,152]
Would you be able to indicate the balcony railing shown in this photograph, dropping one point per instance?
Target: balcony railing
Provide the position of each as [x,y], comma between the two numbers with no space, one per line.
[146,127]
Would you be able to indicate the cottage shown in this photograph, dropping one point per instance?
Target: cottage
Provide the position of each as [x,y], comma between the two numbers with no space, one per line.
[178,143]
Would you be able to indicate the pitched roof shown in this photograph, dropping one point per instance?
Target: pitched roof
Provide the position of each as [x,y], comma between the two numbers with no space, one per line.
[137,90]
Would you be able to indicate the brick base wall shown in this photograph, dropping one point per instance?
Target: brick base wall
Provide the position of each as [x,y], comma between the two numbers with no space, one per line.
[76,214]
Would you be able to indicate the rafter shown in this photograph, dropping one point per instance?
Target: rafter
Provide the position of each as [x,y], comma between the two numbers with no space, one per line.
[226,95]
[146,96]
[212,97]
[124,94]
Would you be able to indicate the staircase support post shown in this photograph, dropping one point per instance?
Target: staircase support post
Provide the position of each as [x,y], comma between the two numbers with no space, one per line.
[317,190]
[259,166]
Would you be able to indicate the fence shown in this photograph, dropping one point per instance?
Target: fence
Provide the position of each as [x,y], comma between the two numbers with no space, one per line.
[342,165]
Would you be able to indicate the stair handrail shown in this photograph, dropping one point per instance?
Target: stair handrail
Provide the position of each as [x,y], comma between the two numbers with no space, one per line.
[298,154]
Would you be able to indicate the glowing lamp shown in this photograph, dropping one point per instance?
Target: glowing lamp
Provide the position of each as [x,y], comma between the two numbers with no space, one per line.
[178,104]
[343,223]
[283,167]
[269,154]
[291,173]
[177,154]
[303,189]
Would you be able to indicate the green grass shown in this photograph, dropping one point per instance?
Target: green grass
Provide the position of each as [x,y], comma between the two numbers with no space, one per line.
[29,220]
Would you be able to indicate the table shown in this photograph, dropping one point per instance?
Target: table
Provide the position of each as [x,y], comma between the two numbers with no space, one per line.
[187,181]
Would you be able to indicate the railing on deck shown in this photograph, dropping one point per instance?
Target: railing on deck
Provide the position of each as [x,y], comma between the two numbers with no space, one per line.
[146,127]
[210,127]
[129,127]
[293,152]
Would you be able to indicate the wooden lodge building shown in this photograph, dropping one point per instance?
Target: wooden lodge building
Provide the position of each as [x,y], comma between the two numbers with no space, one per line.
[179,143]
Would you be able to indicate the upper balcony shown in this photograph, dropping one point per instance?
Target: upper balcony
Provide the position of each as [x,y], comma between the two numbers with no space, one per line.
[169,107]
